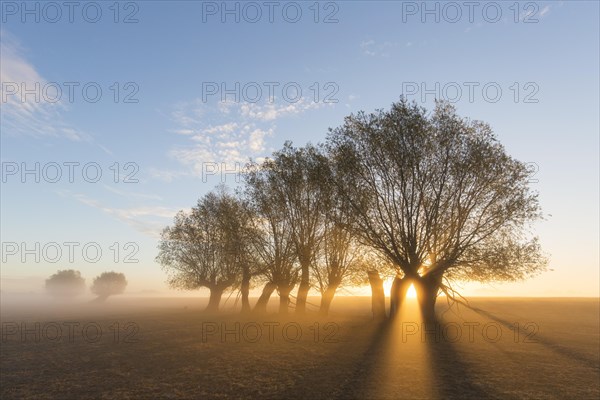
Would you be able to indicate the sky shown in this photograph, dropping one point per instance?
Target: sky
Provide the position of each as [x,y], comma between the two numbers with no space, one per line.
[114,116]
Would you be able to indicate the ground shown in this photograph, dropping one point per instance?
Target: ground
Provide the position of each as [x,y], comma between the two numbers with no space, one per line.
[168,348]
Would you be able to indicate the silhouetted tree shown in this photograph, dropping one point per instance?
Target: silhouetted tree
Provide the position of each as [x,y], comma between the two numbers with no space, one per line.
[377,294]
[65,283]
[199,251]
[236,221]
[274,243]
[295,176]
[340,258]
[377,269]
[108,284]
[438,196]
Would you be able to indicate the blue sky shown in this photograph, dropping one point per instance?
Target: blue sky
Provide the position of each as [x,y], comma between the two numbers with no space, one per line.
[542,56]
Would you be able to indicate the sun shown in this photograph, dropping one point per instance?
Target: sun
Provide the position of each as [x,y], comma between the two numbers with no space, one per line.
[411,293]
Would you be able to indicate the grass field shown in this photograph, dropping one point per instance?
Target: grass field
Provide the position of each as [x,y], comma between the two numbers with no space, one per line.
[168,348]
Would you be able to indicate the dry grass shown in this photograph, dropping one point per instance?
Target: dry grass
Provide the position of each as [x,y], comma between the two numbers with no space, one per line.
[352,357]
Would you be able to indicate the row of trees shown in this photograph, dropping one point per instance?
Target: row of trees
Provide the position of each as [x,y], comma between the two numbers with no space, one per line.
[429,198]
[229,241]
[70,283]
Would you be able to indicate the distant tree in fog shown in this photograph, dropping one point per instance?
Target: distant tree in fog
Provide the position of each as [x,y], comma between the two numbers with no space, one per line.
[108,284]
[65,283]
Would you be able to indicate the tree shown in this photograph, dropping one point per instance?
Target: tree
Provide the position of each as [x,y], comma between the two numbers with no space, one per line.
[340,258]
[274,242]
[65,283]
[438,196]
[237,223]
[295,176]
[199,251]
[108,284]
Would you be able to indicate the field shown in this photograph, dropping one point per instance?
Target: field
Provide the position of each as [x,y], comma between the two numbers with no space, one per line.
[154,348]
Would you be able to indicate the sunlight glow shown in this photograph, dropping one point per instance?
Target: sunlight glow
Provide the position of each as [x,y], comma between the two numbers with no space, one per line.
[412,292]
[387,287]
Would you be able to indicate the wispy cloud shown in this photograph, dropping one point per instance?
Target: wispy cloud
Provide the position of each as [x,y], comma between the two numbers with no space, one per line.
[132,195]
[237,132]
[531,13]
[168,175]
[272,111]
[221,145]
[149,220]
[187,114]
[23,115]
[374,49]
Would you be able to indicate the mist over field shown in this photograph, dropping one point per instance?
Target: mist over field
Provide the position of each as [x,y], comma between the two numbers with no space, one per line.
[299,200]
[170,348]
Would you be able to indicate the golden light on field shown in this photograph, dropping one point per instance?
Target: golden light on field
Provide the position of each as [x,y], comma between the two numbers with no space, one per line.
[401,352]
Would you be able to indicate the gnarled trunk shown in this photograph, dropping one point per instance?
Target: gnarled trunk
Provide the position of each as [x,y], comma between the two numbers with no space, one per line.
[215,298]
[398,294]
[327,298]
[427,291]
[303,289]
[245,290]
[377,295]
[100,299]
[263,300]
[284,298]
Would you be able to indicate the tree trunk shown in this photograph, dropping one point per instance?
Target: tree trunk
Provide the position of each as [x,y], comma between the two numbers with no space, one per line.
[263,300]
[427,292]
[284,298]
[377,295]
[303,289]
[215,299]
[326,299]
[100,299]
[398,294]
[245,290]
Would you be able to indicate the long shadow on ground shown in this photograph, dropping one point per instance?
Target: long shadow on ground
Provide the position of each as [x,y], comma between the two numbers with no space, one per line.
[550,344]
[451,378]
[354,387]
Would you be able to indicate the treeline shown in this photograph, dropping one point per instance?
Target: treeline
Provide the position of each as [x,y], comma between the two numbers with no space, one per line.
[429,198]
[285,228]
[69,283]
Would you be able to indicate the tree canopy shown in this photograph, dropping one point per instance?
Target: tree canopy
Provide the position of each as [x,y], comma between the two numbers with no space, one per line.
[433,197]
[437,195]
[208,246]
[109,284]
[65,283]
